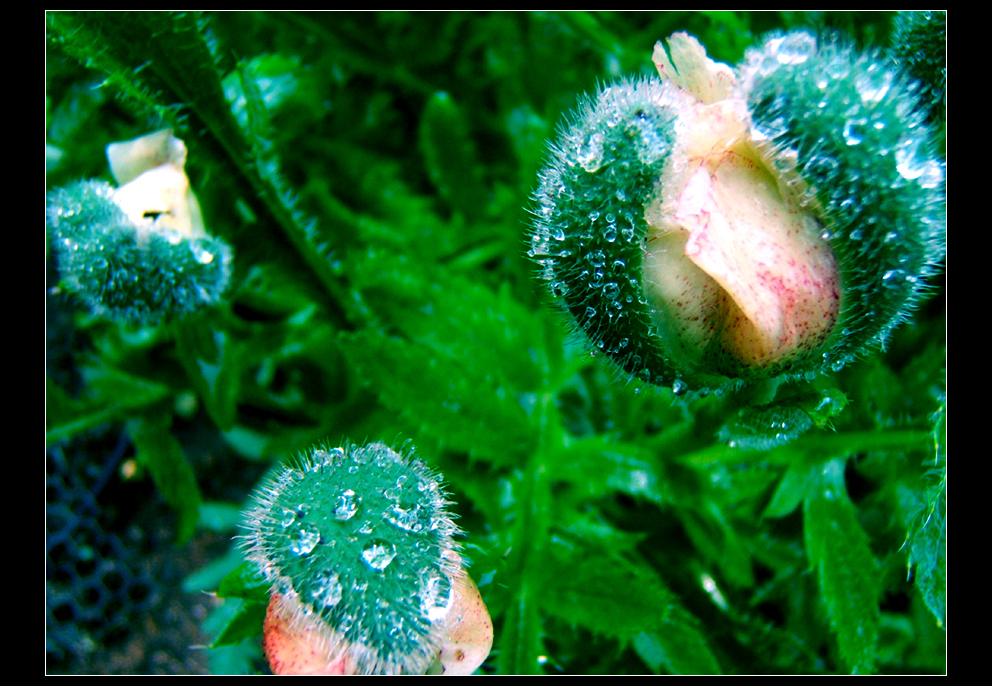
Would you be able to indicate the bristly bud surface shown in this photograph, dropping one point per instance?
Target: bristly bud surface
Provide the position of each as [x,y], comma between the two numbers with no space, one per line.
[358,546]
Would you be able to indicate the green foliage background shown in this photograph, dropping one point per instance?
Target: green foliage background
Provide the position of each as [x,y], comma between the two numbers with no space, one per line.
[372,173]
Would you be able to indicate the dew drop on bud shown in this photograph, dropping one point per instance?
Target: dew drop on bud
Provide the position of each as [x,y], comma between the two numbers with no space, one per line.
[346,505]
[328,590]
[305,540]
[378,554]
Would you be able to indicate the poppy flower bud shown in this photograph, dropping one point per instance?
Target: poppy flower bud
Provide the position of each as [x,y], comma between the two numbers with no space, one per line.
[366,578]
[138,252]
[717,227]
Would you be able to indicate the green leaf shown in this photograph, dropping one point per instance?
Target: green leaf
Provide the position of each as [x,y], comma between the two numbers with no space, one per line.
[246,583]
[487,332]
[247,442]
[208,355]
[209,577]
[823,406]
[928,535]
[599,466]
[928,551]
[764,428]
[791,491]
[848,575]
[246,623]
[450,157]
[602,592]
[220,517]
[615,596]
[111,394]
[677,646]
[161,453]
[521,641]
[441,396]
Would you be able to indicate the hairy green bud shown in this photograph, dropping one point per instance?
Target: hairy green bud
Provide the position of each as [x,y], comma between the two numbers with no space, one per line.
[358,546]
[719,227]
[138,253]
[121,271]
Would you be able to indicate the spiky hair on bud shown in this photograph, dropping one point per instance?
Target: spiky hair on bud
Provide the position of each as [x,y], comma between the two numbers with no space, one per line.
[358,546]
[589,229]
[919,43]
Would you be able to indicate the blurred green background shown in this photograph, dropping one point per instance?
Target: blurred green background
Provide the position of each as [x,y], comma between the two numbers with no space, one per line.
[372,173]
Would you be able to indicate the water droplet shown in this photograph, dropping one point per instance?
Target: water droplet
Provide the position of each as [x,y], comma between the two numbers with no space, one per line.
[305,540]
[319,459]
[346,505]
[590,312]
[933,175]
[776,123]
[378,554]
[407,520]
[200,254]
[875,83]
[287,519]
[853,132]
[590,155]
[610,234]
[611,291]
[909,163]
[838,69]
[327,591]
[437,595]
[795,48]
[558,233]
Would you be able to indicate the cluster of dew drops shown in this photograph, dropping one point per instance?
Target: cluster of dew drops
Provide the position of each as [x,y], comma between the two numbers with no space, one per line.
[867,117]
[325,589]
